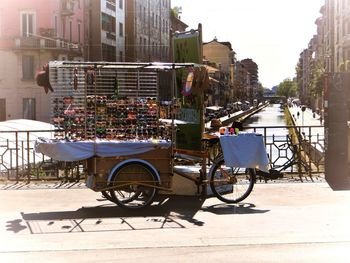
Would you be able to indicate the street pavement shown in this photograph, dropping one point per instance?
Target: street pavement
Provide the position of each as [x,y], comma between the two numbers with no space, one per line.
[278,222]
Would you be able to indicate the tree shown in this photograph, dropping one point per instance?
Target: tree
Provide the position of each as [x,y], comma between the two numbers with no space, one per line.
[176,10]
[287,88]
[260,91]
[316,79]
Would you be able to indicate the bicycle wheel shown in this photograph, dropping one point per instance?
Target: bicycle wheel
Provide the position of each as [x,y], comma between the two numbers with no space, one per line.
[230,184]
[134,185]
[106,195]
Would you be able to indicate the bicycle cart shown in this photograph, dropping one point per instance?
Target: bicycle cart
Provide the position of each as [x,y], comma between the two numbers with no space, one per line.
[136,142]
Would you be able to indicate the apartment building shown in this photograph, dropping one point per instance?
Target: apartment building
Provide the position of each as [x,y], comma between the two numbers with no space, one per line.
[222,54]
[105,33]
[252,68]
[328,51]
[31,34]
[342,35]
[148,30]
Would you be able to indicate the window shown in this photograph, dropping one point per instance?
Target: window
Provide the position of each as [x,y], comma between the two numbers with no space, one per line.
[27,23]
[140,14]
[29,109]
[108,23]
[27,67]
[56,25]
[121,30]
[110,4]
[121,4]
[79,33]
[140,46]
[108,53]
[70,31]
[2,109]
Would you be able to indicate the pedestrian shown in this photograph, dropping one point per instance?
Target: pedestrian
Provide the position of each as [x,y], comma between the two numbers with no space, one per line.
[298,114]
[313,115]
[321,119]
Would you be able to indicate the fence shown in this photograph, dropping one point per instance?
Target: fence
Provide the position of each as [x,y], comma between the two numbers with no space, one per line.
[20,162]
[283,143]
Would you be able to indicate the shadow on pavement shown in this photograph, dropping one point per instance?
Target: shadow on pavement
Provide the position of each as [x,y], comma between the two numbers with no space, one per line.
[241,208]
[167,212]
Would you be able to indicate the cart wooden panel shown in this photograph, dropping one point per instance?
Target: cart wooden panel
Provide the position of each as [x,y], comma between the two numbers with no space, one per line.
[99,168]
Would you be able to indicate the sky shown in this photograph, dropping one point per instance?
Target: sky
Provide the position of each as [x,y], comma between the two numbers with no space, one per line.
[271,32]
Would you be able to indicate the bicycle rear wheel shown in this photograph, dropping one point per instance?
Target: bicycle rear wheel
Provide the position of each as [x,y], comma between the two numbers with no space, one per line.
[230,184]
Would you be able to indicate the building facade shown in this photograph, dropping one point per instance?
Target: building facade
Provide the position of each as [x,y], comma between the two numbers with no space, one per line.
[327,52]
[252,69]
[223,56]
[105,33]
[148,25]
[31,34]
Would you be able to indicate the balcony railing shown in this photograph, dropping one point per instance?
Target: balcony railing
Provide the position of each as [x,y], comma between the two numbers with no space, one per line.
[45,43]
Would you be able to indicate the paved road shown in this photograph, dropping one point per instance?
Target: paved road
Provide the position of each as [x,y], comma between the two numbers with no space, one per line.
[280,222]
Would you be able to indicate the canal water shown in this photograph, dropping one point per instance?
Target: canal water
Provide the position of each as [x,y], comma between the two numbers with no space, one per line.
[275,136]
[272,115]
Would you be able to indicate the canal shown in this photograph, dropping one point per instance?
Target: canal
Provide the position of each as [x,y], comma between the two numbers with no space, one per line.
[272,115]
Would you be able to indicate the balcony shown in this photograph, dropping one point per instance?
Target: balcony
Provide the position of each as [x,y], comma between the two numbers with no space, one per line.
[67,8]
[37,43]
[110,5]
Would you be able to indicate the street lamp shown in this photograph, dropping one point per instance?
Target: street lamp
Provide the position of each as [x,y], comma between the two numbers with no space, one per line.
[303,108]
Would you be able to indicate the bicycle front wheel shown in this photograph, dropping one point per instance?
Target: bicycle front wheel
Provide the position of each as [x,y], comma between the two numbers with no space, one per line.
[230,184]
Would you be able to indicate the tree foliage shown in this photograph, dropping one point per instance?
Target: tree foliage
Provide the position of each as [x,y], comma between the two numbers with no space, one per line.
[176,10]
[316,79]
[287,88]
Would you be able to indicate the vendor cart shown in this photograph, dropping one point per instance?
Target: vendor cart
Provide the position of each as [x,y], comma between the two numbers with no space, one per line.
[134,143]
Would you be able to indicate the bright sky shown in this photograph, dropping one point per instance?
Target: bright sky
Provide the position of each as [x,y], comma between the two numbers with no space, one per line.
[271,32]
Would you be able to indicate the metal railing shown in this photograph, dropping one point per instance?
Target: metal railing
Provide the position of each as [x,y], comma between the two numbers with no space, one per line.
[20,162]
[38,42]
[303,143]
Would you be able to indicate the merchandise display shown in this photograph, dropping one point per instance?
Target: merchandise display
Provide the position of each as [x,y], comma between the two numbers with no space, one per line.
[107,118]
[90,103]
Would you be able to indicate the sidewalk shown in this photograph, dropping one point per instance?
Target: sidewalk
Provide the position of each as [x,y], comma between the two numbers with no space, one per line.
[276,223]
[308,118]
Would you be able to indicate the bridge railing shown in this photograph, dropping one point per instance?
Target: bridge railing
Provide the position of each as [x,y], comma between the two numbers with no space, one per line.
[283,143]
[20,162]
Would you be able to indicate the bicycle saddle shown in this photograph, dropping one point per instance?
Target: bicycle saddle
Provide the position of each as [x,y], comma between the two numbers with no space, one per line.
[210,138]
